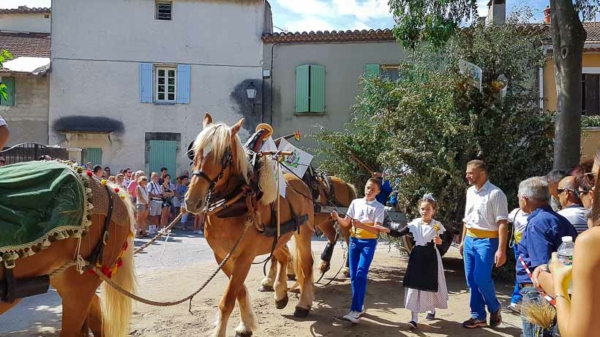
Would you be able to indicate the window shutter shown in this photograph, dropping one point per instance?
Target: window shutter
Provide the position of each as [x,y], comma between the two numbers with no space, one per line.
[592,94]
[183,83]
[372,70]
[302,84]
[10,91]
[317,88]
[146,84]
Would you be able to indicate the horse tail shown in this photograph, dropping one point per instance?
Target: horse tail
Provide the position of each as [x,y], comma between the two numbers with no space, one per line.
[117,308]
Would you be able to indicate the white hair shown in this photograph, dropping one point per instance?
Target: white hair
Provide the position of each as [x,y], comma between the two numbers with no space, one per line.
[535,188]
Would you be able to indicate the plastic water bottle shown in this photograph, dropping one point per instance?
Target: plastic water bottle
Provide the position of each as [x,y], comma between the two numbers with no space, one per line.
[565,251]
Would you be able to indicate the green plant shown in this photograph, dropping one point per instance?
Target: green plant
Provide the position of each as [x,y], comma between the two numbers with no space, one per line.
[4,55]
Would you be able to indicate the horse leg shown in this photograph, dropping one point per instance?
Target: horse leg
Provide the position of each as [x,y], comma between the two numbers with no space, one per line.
[241,266]
[4,307]
[304,266]
[94,321]
[281,296]
[248,323]
[77,293]
[266,285]
[328,228]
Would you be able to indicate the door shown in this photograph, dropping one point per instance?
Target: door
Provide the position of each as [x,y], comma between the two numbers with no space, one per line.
[92,155]
[163,153]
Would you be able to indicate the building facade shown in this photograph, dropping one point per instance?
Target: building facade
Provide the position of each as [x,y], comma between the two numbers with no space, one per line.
[132,79]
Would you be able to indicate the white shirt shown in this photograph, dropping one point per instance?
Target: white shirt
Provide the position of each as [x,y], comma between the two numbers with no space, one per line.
[484,208]
[367,212]
[154,188]
[425,233]
[577,216]
[519,219]
[2,121]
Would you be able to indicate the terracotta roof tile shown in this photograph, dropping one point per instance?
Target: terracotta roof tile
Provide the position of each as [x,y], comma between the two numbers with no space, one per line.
[333,36]
[593,31]
[26,44]
[25,10]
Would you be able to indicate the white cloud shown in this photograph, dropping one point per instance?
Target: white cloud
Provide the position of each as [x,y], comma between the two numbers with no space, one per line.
[369,9]
[307,7]
[28,3]
[359,25]
[308,24]
[482,8]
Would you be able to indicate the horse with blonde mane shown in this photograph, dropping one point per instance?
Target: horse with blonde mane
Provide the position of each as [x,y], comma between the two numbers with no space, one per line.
[103,241]
[223,174]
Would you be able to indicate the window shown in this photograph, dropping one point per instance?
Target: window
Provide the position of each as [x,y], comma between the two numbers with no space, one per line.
[164,10]
[383,71]
[165,84]
[590,94]
[310,88]
[9,84]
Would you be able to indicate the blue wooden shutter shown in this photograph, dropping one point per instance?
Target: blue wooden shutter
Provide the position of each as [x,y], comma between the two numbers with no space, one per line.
[163,153]
[9,82]
[183,83]
[92,155]
[146,83]
[302,86]
[317,88]
[372,70]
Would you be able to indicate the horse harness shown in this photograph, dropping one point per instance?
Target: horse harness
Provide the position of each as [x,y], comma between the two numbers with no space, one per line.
[12,289]
[315,180]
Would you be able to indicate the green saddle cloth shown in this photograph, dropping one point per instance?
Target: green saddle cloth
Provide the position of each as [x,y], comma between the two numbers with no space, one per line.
[40,202]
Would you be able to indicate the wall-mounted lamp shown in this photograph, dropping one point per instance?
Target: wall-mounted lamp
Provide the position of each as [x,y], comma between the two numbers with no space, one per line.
[251,92]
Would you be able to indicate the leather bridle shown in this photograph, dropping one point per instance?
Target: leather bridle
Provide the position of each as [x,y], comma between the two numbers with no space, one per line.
[225,162]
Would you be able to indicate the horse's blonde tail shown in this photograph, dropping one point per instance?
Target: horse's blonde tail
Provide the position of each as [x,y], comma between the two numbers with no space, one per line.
[116,307]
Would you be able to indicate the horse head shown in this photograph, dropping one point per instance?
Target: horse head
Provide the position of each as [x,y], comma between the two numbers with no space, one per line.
[218,155]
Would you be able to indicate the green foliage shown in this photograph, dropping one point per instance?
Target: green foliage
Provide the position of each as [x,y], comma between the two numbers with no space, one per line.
[4,55]
[590,121]
[428,125]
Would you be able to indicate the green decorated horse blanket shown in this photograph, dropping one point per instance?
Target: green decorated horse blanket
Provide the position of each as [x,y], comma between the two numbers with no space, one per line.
[40,202]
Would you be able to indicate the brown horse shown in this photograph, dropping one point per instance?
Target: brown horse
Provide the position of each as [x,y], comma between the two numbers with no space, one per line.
[81,307]
[223,171]
[333,191]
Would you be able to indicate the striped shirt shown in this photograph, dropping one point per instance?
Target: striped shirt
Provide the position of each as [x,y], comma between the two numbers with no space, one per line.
[577,216]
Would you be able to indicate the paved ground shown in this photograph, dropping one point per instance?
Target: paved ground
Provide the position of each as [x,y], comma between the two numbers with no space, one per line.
[174,269]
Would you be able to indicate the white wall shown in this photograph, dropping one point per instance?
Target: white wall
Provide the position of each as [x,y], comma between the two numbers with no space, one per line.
[25,23]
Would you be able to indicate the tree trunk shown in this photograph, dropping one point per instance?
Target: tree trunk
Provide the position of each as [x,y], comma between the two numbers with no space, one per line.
[568,38]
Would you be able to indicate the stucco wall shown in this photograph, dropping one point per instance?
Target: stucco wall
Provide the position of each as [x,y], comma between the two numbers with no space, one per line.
[25,23]
[28,118]
[590,60]
[344,64]
[590,143]
[97,48]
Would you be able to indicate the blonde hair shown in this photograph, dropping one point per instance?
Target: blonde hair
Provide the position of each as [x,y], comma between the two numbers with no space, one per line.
[141,178]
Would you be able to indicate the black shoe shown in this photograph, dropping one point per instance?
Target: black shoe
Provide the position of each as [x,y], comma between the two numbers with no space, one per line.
[473,323]
[430,316]
[495,318]
[412,324]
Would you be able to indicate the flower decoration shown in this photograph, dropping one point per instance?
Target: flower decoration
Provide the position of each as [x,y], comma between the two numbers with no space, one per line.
[103,182]
[89,173]
[117,189]
[297,135]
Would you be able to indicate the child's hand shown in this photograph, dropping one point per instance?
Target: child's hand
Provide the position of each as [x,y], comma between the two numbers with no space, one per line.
[438,240]
[334,214]
[382,229]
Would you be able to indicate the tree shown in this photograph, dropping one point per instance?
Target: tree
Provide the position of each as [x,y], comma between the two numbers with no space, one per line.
[436,21]
[4,55]
[426,126]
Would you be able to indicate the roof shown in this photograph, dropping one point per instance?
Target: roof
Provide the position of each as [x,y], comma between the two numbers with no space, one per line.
[593,32]
[26,44]
[25,10]
[333,36]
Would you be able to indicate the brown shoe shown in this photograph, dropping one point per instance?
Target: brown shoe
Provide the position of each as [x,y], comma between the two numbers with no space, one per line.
[495,319]
[473,323]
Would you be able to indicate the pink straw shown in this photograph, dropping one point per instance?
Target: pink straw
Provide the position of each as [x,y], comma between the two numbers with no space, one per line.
[548,298]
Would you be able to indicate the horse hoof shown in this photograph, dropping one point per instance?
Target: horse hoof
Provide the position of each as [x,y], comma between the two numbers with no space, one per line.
[346,271]
[324,267]
[282,303]
[266,289]
[243,334]
[301,312]
[291,277]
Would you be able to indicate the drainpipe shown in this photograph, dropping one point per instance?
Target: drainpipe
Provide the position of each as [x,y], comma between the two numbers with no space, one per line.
[541,79]
[272,81]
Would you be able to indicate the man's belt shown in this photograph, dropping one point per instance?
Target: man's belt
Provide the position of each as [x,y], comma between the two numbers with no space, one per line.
[481,234]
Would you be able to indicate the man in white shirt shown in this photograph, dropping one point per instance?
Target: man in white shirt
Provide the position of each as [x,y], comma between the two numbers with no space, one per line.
[4,133]
[572,207]
[484,241]
[155,192]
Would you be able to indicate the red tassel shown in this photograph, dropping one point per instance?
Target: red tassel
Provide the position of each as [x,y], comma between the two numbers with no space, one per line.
[119,263]
[105,271]
[109,274]
[91,271]
[89,173]
[117,189]
[125,245]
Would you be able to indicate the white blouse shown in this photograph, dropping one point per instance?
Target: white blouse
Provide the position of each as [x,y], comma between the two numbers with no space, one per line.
[424,233]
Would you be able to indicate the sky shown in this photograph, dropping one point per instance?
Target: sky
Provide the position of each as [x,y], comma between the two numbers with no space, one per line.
[314,15]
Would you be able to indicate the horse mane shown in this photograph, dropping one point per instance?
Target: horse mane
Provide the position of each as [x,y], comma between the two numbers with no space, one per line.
[218,135]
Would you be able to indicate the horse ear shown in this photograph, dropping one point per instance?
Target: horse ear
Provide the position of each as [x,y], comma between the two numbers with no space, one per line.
[237,127]
[207,120]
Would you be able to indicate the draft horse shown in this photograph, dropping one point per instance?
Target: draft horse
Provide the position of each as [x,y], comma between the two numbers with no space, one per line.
[108,241]
[223,173]
[326,191]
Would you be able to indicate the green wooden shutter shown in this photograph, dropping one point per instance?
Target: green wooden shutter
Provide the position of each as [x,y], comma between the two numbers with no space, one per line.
[10,91]
[163,153]
[92,155]
[302,88]
[317,88]
[372,70]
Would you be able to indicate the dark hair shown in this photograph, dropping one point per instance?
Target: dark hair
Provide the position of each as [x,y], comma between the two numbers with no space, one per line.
[106,168]
[168,175]
[97,168]
[555,176]
[164,169]
[183,177]
[375,181]
[479,164]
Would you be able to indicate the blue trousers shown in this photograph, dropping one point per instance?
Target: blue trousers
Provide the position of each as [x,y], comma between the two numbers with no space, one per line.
[361,254]
[479,261]
[516,296]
